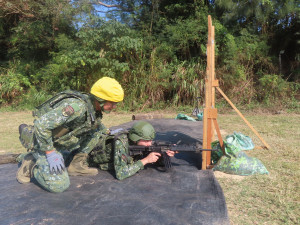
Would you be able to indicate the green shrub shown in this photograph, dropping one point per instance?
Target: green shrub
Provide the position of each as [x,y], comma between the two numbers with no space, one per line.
[12,84]
[32,99]
[273,87]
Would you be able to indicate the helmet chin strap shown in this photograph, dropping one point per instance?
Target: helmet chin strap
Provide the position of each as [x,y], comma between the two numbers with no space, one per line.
[102,107]
[101,103]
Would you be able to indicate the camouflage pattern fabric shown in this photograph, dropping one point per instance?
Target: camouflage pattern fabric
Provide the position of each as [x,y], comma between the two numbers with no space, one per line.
[51,182]
[124,164]
[71,115]
[241,164]
[102,156]
[235,161]
[26,137]
[116,156]
[229,149]
[240,140]
[21,157]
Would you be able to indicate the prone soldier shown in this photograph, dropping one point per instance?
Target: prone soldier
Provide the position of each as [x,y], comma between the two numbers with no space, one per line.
[114,155]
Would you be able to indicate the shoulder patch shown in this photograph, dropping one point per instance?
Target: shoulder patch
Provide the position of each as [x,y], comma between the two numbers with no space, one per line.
[68,111]
[75,106]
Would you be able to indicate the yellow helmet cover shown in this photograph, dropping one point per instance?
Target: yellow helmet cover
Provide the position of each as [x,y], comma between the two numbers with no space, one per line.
[108,89]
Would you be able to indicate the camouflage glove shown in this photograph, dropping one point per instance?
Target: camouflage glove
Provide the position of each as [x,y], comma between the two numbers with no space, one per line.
[56,162]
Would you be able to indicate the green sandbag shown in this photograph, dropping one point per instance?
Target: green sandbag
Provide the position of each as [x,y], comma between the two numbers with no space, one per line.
[229,149]
[200,116]
[241,164]
[240,140]
[235,161]
[182,116]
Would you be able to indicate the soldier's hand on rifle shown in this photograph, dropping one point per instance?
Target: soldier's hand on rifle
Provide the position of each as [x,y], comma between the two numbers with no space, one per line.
[151,158]
[171,153]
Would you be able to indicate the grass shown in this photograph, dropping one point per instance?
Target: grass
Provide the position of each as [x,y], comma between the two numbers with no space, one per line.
[261,199]
[275,198]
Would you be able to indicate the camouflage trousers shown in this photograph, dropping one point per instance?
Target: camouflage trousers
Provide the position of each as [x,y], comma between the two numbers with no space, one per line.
[60,182]
[55,182]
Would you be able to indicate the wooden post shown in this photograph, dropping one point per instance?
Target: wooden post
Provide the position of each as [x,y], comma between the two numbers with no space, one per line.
[210,113]
[209,98]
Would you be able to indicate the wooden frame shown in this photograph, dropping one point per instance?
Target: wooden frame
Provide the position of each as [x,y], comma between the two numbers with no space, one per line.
[210,113]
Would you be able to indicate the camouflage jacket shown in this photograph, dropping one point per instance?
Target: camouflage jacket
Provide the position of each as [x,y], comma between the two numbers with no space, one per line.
[115,156]
[69,114]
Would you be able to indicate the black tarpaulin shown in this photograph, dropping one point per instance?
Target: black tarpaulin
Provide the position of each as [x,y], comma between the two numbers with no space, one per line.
[185,195]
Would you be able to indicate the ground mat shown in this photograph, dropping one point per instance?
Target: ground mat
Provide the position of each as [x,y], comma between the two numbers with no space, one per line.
[184,195]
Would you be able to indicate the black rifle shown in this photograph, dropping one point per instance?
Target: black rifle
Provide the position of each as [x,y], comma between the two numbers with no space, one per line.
[162,148]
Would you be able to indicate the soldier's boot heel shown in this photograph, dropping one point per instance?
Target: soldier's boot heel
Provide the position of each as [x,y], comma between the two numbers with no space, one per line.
[79,166]
[24,173]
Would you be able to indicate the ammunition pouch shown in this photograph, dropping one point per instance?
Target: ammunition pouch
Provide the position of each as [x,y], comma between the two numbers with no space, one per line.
[59,132]
[69,140]
[102,155]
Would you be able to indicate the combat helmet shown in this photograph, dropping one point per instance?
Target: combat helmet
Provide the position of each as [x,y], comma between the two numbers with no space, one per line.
[107,89]
[141,131]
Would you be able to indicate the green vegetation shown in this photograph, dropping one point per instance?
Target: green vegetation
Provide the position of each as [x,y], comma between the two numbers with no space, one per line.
[156,49]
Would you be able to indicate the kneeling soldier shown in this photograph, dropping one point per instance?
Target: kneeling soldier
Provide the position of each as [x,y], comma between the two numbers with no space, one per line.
[70,121]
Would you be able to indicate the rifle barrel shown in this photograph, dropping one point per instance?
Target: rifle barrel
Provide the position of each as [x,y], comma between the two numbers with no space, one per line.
[163,148]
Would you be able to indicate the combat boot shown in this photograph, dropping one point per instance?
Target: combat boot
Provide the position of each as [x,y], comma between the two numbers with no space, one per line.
[79,166]
[25,171]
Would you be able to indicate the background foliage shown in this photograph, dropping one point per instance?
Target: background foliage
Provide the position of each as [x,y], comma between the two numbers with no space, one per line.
[156,49]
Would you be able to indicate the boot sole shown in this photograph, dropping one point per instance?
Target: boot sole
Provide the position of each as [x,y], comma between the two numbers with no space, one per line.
[24,179]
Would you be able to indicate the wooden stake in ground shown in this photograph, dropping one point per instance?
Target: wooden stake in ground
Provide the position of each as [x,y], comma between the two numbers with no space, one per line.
[210,113]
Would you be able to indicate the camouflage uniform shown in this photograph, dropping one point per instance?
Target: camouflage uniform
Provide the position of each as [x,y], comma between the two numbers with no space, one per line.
[71,114]
[115,156]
